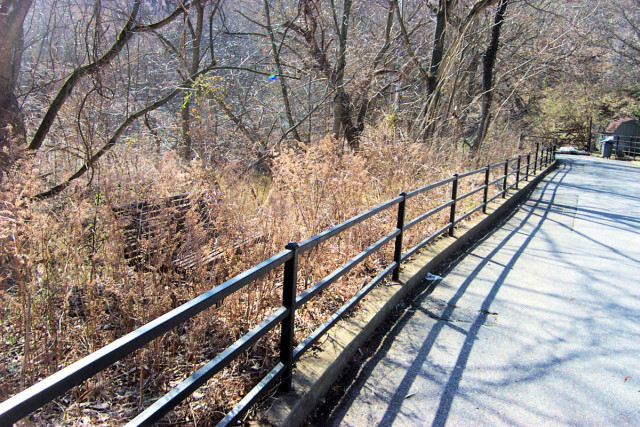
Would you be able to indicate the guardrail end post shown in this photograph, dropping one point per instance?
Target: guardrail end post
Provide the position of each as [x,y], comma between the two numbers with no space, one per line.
[397,254]
[288,301]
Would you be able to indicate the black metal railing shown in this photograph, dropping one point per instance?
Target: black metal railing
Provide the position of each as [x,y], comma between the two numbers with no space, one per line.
[31,399]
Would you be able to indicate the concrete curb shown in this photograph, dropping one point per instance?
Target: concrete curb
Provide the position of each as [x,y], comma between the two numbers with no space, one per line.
[315,372]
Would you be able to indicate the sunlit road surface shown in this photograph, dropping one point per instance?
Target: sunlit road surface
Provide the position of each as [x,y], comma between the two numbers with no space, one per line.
[537,324]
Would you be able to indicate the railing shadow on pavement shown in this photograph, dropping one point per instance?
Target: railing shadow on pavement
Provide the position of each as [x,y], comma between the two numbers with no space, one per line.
[626,223]
[414,369]
[452,385]
[521,370]
[594,303]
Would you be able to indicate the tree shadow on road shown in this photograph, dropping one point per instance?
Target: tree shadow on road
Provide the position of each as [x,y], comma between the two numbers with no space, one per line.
[606,343]
[357,381]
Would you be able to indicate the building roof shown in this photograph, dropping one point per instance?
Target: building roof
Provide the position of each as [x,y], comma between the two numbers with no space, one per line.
[613,126]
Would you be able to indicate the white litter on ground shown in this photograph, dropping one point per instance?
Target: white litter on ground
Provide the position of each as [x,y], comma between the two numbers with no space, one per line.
[431,277]
[571,150]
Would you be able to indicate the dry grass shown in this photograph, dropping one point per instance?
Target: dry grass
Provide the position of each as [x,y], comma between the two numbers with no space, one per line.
[67,289]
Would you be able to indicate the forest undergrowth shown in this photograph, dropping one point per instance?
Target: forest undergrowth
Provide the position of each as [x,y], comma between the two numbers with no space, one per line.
[68,289]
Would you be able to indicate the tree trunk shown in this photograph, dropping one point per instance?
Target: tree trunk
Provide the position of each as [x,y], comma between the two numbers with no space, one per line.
[489,62]
[342,125]
[194,49]
[444,12]
[441,55]
[12,129]
[343,121]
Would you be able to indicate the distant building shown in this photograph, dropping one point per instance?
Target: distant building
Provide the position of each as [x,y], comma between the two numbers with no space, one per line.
[624,127]
[626,136]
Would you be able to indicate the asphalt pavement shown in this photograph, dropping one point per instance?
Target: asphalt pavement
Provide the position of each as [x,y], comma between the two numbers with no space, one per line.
[538,323]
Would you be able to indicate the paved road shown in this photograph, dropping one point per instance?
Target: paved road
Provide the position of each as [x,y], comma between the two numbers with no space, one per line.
[538,324]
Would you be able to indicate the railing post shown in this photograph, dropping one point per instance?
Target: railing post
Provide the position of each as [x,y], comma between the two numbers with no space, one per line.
[535,162]
[546,157]
[454,196]
[549,154]
[485,196]
[397,254]
[288,301]
[528,163]
[518,171]
[504,183]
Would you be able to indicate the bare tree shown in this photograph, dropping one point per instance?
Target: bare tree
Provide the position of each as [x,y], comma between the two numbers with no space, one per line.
[623,30]
[335,66]
[489,61]
[193,50]
[350,108]
[124,36]
[442,56]
[101,71]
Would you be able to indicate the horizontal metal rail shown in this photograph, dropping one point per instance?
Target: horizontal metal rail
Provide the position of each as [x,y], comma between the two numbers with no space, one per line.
[267,383]
[468,214]
[426,241]
[324,328]
[305,296]
[466,174]
[497,180]
[426,215]
[319,238]
[183,390]
[470,193]
[509,187]
[495,196]
[429,187]
[22,404]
